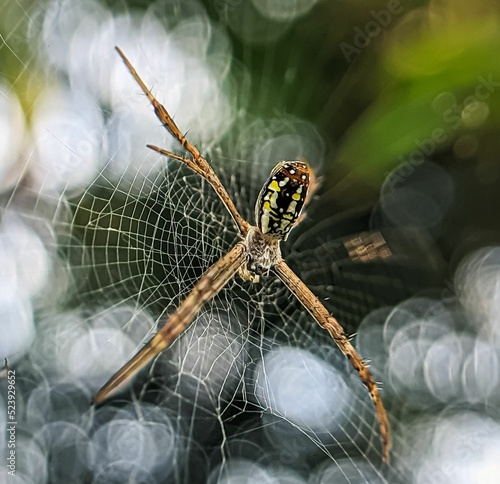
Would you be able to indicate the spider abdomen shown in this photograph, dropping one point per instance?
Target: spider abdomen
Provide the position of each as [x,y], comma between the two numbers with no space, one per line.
[282,198]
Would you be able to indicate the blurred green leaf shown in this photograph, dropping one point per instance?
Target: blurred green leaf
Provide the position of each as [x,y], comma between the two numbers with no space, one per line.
[405,114]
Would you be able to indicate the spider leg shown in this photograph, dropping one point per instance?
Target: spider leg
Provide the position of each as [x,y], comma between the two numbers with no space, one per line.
[328,322]
[214,279]
[187,161]
[160,110]
[217,185]
[197,163]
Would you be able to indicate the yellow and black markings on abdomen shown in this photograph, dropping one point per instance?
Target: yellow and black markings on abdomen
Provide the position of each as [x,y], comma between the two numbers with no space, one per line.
[282,197]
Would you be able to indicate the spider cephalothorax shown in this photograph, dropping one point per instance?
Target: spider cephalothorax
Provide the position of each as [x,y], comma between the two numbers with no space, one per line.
[263,252]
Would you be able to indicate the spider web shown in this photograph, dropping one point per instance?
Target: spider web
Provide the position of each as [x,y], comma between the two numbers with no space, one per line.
[147,253]
[254,389]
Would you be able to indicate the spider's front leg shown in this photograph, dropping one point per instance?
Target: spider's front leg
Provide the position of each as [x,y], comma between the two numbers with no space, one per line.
[197,163]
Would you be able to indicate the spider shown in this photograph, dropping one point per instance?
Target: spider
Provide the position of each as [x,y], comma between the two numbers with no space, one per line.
[277,211]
